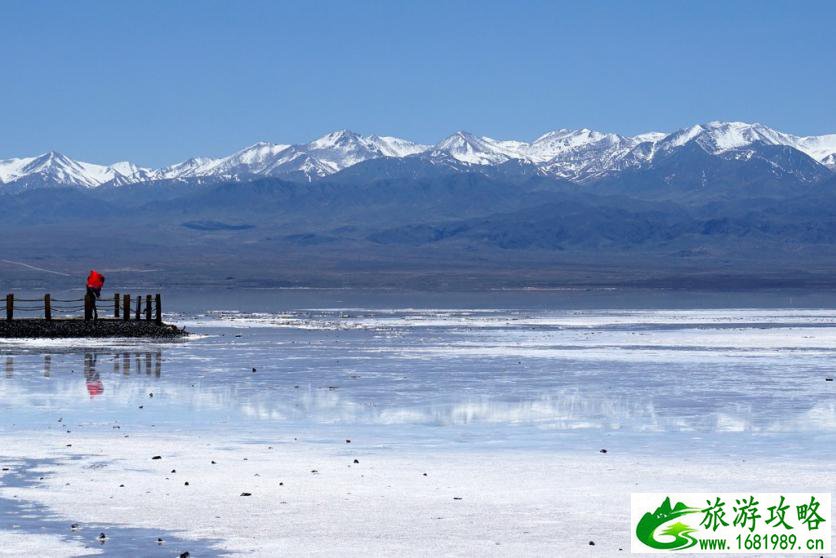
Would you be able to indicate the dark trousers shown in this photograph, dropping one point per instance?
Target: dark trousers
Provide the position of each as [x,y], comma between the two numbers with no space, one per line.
[94,294]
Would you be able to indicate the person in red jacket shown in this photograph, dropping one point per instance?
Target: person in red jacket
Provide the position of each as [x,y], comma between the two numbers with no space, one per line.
[95,282]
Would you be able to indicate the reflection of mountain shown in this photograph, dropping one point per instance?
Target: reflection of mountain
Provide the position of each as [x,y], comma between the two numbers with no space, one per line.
[820,417]
[565,410]
[682,393]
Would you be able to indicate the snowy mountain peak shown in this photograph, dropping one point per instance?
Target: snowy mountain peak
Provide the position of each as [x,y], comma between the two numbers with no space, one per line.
[55,168]
[255,154]
[559,142]
[719,137]
[397,147]
[50,161]
[335,139]
[474,150]
[338,150]
[580,155]
[651,137]
[457,140]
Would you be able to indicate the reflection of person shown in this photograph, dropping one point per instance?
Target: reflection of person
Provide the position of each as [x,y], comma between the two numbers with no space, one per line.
[95,282]
[91,376]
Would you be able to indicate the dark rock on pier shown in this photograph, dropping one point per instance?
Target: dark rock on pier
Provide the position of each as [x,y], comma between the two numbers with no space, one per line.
[81,328]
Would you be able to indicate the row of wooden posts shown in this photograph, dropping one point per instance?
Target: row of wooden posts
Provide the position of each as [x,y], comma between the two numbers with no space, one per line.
[126,307]
[121,307]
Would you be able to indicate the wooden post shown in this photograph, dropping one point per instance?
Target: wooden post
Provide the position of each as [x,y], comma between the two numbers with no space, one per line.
[148,308]
[116,305]
[158,318]
[10,307]
[126,307]
[88,307]
[47,307]
[138,305]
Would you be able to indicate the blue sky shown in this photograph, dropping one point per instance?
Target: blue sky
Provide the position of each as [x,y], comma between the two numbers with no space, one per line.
[157,82]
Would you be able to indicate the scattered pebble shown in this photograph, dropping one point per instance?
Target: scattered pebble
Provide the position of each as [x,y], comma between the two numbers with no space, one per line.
[457,497]
[356,462]
[160,540]
[603,451]
[157,457]
[186,483]
[246,494]
[591,543]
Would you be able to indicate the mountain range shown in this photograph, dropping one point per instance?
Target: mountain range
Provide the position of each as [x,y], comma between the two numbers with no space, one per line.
[579,156]
[717,204]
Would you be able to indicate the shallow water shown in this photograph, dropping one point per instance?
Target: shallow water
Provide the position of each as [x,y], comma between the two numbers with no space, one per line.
[515,370]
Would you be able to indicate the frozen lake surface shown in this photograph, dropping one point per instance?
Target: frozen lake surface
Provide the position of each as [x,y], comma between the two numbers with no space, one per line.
[540,379]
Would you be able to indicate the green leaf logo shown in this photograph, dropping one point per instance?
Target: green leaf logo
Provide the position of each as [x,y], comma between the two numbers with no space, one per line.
[681,532]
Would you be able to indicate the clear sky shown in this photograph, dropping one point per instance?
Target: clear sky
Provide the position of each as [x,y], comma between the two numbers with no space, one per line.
[157,82]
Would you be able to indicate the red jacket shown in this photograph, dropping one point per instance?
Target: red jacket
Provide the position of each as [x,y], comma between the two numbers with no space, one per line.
[95,280]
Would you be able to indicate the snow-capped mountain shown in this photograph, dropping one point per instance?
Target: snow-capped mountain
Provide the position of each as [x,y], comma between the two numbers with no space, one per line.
[56,169]
[336,151]
[577,155]
[750,143]
[582,155]
[255,159]
[321,157]
[718,138]
[571,154]
[473,150]
[585,155]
